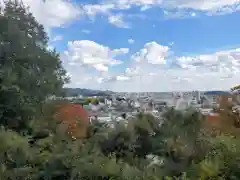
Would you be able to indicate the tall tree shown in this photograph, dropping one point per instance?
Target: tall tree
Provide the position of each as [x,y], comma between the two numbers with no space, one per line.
[29,72]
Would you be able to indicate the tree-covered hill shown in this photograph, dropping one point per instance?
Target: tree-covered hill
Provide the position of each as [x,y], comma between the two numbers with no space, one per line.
[86,92]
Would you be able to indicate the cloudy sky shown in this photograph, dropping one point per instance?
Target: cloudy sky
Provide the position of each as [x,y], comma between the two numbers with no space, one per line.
[145,45]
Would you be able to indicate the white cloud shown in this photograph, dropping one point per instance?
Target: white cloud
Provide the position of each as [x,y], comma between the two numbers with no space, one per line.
[153,53]
[145,3]
[86,31]
[193,14]
[53,13]
[120,51]
[144,8]
[57,13]
[57,38]
[179,13]
[133,72]
[210,5]
[131,41]
[177,80]
[122,78]
[214,6]
[100,67]
[92,54]
[93,9]
[213,71]
[117,20]
[225,61]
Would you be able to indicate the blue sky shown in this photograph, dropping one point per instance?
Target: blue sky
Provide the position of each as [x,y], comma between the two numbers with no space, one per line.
[145,45]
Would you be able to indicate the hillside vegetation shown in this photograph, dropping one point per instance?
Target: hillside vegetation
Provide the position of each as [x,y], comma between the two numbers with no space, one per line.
[36,146]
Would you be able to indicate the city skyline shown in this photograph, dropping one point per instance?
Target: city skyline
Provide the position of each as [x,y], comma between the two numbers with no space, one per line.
[102,89]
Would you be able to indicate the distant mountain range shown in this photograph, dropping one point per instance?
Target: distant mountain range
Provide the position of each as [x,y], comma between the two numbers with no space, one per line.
[86,92]
[217,92]
[90,92]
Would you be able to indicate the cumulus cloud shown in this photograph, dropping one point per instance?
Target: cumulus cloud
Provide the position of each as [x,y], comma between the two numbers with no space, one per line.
[226,61]
[153,53]
[94,9]
[211,6]
[120,51]
[131,41]
[122,78]
[149,69]
[100,67]
[92,54]
[118,21]
[134,71]
[57,38]
[58,13]
[54,13]
[172,8]
[177,80]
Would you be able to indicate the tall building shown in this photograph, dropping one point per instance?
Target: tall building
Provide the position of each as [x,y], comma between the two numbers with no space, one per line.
[182,104]
[198,96]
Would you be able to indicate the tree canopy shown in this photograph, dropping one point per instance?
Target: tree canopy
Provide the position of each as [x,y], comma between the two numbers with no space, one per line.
[30,72]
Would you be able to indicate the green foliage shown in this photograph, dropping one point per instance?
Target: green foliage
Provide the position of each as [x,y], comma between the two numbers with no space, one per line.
[94,101]
[29,71]
[120,152]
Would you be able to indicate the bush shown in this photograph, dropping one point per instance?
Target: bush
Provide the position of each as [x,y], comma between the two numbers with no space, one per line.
[122,152]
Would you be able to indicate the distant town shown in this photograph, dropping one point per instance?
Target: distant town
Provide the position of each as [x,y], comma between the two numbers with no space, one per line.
[112,106]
